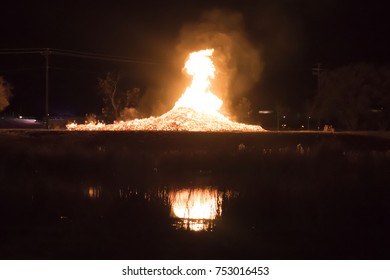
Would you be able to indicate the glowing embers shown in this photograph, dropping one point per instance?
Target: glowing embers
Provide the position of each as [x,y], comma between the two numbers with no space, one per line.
[195,209]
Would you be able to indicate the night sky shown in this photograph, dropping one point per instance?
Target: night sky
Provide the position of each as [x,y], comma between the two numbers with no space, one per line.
[289,37]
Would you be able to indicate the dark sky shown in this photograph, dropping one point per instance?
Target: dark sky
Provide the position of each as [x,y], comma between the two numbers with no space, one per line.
[290,35]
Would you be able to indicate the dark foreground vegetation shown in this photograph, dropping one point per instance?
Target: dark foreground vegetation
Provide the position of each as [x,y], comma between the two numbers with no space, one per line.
[97,195]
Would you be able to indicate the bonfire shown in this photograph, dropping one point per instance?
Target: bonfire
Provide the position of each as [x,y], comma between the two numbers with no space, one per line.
[196,110]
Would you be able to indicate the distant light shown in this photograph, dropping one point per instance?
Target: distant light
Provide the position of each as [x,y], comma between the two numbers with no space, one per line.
[265,112]
[284,117]
[20,117]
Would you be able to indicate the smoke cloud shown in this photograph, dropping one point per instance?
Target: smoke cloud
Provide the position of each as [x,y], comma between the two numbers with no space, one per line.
[238,63]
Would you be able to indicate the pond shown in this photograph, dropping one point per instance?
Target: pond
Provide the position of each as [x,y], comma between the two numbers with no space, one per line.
[194,208]
[194,196]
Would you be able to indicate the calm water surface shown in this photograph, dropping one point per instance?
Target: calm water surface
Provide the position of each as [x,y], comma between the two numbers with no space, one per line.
[194,197]
[194,208]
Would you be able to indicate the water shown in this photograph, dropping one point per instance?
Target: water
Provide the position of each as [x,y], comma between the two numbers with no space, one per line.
[193,208]
[204,199]
[242,217]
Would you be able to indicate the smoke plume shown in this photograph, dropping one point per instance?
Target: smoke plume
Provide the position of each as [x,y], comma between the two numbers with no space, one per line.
[237,61]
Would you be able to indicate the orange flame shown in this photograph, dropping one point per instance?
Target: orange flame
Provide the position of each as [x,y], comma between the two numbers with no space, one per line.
[198,95]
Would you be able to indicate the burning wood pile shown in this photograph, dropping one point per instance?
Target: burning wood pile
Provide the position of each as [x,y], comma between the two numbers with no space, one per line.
[196,110]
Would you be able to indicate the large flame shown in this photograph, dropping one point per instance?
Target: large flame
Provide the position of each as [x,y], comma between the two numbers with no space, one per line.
[196,110]
[198,95]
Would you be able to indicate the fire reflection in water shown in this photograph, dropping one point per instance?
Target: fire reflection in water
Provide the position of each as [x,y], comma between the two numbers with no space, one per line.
[191,208]
[93,192]
[195,209]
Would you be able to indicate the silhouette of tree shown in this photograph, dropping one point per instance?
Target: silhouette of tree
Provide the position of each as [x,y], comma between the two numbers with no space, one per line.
[355,97]
[116,98]
[243,110]
[5,93]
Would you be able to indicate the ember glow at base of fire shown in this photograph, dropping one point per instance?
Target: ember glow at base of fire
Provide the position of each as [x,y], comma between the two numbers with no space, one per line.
[196,110]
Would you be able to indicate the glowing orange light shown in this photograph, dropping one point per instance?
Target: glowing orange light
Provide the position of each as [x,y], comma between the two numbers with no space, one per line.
[196,207]
[195,204]
[93,192]
[198,95]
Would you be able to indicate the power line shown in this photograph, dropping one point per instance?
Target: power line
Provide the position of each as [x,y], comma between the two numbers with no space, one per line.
[21,69]
[79,54]
[20,51]
[69,69]
[97,56]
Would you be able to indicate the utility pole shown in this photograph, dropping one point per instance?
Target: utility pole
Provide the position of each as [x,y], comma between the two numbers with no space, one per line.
[277,110]
[46,54]
[317,69]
